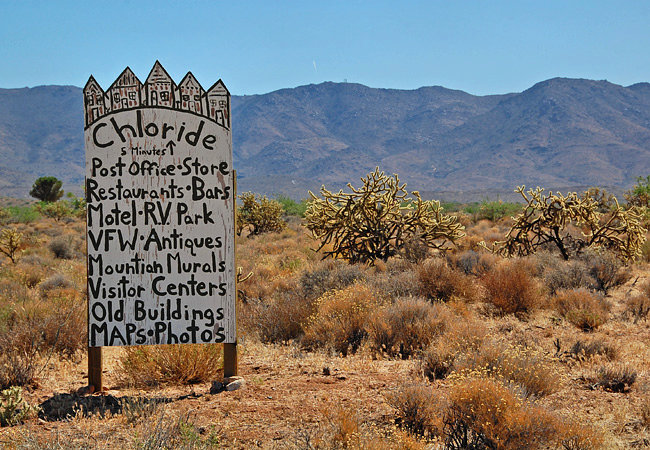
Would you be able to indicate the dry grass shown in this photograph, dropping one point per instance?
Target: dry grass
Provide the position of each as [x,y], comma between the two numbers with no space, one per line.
[530,369]
[416,409]
[511,288]
[439,281]
[614,378]
[345,309]
[585,350]
[483,413]
[406,326]
[341,319]
[160,364]
[582,308]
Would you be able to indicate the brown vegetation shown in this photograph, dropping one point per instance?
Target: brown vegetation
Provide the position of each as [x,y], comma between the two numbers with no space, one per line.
[412,352]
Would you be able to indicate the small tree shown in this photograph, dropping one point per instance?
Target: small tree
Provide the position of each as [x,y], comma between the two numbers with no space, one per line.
[47,189]
[572,223]
[259,214]
[377,220]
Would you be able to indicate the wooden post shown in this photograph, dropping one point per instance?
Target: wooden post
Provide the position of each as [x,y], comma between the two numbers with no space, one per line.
[94,353]
[230,350]
[95,369]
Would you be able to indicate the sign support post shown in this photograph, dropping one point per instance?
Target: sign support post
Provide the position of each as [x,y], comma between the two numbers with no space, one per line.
[230,364]
[95,369]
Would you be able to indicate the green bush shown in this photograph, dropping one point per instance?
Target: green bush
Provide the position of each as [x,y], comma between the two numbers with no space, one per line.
[498,209]
[23,214]
[292,207]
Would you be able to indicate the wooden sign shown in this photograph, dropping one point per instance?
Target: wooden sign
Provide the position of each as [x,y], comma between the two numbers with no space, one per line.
[160,221]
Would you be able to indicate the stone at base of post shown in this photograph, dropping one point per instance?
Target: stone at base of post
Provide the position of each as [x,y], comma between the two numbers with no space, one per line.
[95,369]
[229,360]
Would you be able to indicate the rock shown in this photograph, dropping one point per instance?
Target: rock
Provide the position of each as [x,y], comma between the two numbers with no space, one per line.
[217,387]
[235,384]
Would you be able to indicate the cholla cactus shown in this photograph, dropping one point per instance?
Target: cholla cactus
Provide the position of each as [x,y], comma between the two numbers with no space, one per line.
[572,223]
[374,221]
[11,243]
[13,408]
[259,214]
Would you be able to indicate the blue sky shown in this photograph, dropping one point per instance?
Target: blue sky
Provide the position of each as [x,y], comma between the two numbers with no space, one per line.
[482,47]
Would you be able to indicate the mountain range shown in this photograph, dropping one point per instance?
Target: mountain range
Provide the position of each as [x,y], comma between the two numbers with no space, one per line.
[560,133]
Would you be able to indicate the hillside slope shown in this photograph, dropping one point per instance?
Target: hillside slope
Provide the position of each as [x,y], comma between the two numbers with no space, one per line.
[559,133]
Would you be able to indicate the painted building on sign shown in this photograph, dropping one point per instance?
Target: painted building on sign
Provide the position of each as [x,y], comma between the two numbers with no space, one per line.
[158,91]
[218,103]
[159,88]
[191,95]
[126,92]
[94,100]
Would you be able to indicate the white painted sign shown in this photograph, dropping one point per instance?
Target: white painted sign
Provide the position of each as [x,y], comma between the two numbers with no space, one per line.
[160,222]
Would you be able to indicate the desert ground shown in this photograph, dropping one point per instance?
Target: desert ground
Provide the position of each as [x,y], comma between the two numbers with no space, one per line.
[428,351]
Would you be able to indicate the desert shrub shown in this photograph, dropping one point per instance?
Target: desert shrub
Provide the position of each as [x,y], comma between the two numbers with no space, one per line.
[582,308]
[341,319]
[461,336]
[474,263]
[19,356]
[62,247]
[5,216]
[36,328]
[396,284]
[56,281]
[281,318]
[583,350]
[373,222]
[63,324]
[615,378]
[170,364]
[439,281]
[483,413]
[259,215]
[495,210]
[645,411]
[14,409]
[638,306]
[414,249]
[23,214]
[137,409]
[606,269]
[415,410]
[576,436]
[406,326]
[292,207]
[29,275]
[571,223]
[558,274]
[639,195]
[329,275]
[512,290]
[530,369]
